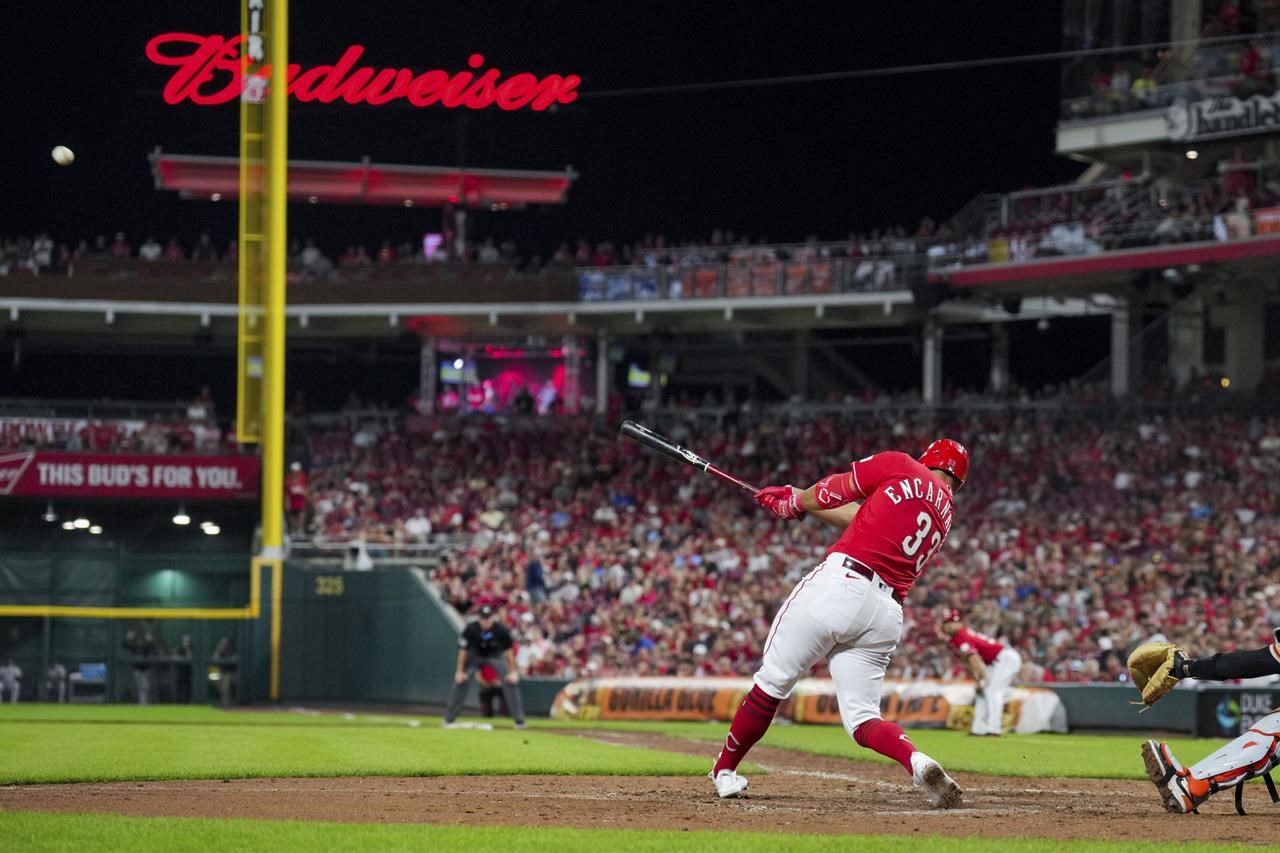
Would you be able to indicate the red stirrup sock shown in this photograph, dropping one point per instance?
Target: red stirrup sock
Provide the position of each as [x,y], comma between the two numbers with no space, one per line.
[748,726]
[887,739]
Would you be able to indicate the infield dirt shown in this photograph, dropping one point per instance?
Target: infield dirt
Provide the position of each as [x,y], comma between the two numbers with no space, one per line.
[801,793]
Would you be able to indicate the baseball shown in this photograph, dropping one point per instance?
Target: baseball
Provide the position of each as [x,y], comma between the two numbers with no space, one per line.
[63,156]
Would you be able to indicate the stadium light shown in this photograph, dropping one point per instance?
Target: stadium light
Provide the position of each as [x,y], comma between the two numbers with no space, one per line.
[68,525]
[1192,153]
[96,530]
[210,529]
[1225,382]
[182,519]
[81,523]
[49,514]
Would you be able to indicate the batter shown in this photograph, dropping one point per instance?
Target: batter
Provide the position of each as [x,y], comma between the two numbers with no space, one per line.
[848,609]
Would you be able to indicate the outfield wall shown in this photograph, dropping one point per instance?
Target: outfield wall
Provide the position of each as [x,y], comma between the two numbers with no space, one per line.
[379,636]
[384,636]
[1110,706]
[374,636]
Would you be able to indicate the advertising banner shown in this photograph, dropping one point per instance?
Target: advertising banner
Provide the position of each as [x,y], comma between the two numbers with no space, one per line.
[705,282]
[919,704]
[821,277]
[1213,118]
[1267,219]
[764,279]
[1226,712]
[36,473]
[737,279]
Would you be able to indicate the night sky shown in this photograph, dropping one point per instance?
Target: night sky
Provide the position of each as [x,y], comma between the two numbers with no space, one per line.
[780,162]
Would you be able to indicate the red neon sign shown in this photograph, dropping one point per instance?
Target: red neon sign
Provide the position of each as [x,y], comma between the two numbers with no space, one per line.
[210,70]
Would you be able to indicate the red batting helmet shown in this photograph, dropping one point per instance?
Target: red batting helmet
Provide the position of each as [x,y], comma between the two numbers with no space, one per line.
[950,614]
[949,456]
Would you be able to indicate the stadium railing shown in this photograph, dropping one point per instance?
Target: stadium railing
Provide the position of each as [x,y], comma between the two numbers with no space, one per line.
[351,553]
[745,278]
[35,407]
[870,274]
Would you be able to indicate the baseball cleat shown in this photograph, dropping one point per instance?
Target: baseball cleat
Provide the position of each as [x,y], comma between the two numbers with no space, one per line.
[1171,779]
[939,789]
[728,783]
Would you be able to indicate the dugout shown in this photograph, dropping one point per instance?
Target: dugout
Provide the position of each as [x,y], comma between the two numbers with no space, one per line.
[127,555]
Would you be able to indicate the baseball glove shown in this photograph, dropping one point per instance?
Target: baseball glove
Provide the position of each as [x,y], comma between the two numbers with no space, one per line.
[1155,668]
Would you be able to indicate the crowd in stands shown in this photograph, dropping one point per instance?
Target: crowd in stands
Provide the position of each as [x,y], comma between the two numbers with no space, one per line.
[1130,211]
[1238,56]
[1075,538]
[1082,531]
[187,427]
[42,255]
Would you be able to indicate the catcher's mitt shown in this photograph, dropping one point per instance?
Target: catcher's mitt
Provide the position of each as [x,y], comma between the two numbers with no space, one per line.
[1154,668]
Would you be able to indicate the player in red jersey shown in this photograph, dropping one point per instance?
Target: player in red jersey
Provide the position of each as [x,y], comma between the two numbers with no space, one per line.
[992,665]
[848,610]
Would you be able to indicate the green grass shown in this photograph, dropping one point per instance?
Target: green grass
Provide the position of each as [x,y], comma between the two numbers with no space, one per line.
[63,743]
[187,715]
[25,831]
[95,743]
[73,744]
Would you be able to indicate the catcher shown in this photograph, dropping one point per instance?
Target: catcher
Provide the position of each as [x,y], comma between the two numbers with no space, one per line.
[1155,668]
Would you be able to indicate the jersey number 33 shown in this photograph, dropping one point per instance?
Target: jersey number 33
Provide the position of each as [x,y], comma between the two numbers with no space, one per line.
[913,544]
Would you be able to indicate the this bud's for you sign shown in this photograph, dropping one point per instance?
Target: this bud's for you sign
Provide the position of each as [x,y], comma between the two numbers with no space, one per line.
[84,475]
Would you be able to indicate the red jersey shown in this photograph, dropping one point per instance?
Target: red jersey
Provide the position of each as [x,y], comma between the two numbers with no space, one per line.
[903,521]
[965,642]
[296,490]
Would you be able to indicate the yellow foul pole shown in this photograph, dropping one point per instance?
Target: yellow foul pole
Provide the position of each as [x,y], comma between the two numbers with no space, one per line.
[277,156]
[277,162]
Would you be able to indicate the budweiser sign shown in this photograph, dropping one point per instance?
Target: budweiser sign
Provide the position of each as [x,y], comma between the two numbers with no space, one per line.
[211,70]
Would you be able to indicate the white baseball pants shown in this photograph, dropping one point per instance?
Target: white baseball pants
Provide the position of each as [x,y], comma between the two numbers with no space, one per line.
[988,705]
[851,621]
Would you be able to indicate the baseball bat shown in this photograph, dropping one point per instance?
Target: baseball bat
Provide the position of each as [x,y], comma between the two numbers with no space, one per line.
[654,441]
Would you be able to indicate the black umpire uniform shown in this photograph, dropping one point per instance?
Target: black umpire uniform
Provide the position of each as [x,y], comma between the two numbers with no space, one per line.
[485,641]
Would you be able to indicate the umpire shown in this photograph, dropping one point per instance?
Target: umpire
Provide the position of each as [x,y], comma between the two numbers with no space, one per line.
[486,641]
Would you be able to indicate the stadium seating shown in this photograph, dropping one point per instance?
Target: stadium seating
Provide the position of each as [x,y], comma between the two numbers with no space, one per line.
[1079,536]
[1085,529]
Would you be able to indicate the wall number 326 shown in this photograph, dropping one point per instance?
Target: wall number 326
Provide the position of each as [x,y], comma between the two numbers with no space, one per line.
[329,585]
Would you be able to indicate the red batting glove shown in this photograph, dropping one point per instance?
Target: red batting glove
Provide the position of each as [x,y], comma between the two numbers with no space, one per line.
[782,501]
